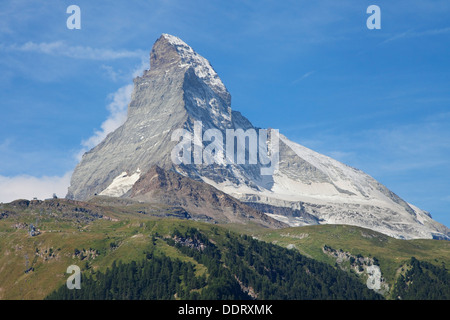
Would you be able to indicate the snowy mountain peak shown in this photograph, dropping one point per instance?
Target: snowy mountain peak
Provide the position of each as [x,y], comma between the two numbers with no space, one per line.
[174,40]
[170,51]
[182,89]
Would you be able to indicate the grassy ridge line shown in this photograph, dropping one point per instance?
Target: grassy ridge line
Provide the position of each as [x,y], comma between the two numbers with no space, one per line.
[391,253]
[51,252]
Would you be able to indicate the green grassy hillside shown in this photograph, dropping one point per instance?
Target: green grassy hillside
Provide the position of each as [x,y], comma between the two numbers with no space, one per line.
[392,254]
[95,235]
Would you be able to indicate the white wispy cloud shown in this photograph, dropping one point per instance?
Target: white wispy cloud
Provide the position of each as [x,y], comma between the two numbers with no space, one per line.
[304,76]
[61,48]
[117,112]
[111,73]
[117,116]
[28,187]
[414,34]
[395,149]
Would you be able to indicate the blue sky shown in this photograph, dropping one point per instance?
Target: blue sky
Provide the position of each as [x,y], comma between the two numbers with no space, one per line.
[378,100]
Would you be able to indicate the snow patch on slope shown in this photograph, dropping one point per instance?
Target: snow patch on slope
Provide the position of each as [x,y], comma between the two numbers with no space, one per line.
[291,221]
[121,184]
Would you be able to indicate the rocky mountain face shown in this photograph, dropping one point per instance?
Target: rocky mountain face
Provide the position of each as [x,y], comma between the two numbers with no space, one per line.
[181,90]
[200,200]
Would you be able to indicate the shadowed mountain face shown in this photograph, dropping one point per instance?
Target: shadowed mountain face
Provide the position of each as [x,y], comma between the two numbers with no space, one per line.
[182,89]
[202,201]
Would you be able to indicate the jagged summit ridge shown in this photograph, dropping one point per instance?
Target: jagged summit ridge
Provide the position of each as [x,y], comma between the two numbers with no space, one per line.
[182,88]
[170,50]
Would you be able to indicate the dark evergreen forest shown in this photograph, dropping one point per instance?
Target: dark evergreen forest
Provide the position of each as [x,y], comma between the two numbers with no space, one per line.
[239,268]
